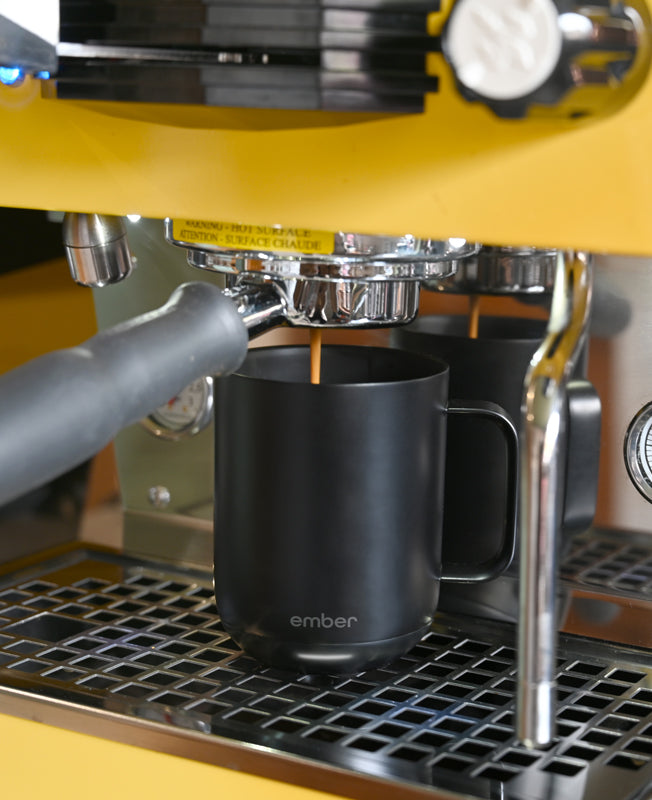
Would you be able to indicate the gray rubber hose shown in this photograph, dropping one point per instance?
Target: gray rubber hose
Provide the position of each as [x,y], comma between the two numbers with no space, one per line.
[61,408]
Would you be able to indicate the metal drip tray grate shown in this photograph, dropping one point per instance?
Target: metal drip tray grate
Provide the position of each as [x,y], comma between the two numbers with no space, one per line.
[114,634]
[611,562]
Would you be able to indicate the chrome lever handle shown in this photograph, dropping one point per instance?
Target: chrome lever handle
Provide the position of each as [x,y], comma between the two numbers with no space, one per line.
[541,465]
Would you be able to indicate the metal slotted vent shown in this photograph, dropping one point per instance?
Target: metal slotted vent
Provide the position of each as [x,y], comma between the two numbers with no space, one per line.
[150,645]
[294,54]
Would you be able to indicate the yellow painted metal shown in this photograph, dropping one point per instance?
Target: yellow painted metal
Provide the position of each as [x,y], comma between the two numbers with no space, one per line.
[41,761]
[41,309]
[455,170]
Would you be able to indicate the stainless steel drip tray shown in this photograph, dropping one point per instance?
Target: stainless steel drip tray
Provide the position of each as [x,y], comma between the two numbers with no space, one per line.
[133,651]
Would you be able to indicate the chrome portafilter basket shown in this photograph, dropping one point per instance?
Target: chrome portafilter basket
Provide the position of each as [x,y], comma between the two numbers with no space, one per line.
[355,280]
[517,271]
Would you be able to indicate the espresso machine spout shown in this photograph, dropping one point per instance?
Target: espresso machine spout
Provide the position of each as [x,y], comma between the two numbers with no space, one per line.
[541,464]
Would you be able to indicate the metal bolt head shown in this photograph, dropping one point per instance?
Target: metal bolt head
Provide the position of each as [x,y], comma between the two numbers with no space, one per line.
[159,496]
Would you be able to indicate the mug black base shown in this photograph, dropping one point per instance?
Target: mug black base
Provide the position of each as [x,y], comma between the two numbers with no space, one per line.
[326,659]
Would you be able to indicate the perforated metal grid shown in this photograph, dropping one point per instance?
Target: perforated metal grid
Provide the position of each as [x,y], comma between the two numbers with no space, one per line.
[610,562]
[150,645]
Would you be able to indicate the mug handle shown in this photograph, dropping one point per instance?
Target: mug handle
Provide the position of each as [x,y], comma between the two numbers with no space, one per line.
[583,412]
[497,564]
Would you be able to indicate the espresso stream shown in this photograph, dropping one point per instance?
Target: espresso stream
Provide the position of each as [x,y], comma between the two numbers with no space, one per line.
[315,355]
[474,315]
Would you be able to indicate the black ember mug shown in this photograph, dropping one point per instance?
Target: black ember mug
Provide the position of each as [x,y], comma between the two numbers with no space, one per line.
[329,504]
[493,367]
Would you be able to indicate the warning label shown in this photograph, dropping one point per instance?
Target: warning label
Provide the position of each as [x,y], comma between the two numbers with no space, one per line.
[234,236]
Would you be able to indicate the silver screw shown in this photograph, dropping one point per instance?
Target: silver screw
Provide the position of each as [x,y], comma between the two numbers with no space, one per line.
[159,496]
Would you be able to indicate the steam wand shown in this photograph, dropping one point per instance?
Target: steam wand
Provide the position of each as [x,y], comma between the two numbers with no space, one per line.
[541,498]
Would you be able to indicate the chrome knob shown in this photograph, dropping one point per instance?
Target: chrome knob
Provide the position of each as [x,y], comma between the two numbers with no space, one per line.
[96,248]
[522,57]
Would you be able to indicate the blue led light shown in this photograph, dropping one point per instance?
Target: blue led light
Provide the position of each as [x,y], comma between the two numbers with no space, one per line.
[44,75]
[10,76]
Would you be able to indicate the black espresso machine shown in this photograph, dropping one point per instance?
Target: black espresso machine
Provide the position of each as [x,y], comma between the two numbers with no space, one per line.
[335,167]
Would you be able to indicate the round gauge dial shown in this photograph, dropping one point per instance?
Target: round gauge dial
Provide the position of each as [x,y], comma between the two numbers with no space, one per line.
[185,414]
[638,451]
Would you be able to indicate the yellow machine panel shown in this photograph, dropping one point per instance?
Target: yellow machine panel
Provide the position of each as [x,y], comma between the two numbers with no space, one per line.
[456,170]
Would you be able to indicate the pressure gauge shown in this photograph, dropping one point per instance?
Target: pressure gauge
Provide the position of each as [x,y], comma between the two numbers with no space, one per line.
[185,414]
[638,451]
